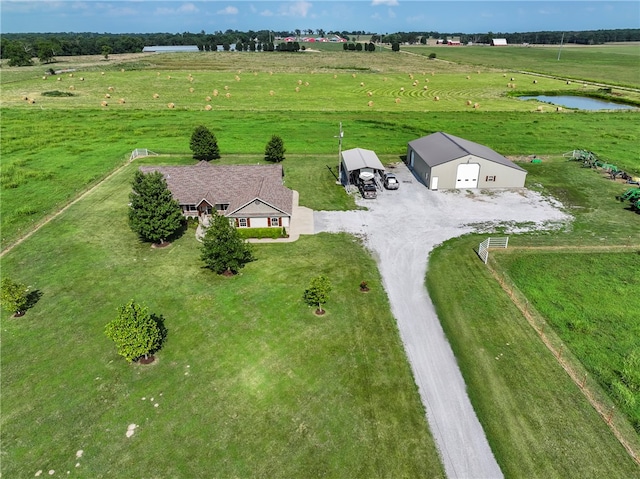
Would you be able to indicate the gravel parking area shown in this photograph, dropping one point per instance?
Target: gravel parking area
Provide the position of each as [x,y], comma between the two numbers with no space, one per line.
[401,228]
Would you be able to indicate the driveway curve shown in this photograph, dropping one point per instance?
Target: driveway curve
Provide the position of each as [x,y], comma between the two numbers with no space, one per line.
[401,228]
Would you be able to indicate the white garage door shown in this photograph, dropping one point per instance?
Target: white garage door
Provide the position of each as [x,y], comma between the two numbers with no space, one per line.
[467,175]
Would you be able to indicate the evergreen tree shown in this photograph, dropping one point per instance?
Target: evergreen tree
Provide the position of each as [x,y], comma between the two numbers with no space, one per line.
[318,293]
[154,214]
[14,296]
[274,150]
[395,47]
[135,332]
[204,144]
[223,250]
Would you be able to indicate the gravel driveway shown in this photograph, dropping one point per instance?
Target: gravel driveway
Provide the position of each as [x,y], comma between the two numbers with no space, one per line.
[401,228]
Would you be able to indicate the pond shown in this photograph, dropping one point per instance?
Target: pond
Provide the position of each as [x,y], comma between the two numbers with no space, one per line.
[579,102]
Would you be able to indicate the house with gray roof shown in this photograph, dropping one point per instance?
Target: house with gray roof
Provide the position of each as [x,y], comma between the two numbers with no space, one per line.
[444,161]
[252,196]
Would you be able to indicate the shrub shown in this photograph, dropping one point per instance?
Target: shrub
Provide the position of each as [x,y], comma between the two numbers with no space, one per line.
[432,56]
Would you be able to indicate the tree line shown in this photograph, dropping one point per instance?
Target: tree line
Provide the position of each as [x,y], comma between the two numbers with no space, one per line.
[47,46]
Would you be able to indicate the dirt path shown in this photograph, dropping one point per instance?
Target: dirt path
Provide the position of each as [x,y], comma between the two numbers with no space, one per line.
[401,228]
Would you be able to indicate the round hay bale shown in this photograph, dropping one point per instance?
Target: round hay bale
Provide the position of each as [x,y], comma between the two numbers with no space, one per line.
[369,93]
[32,101]
[539,108]
[216,92]
[191,90]
[306,83]
[370,103]
[361,83]
[478,72]
[508,85]
[25,98]
[237,78]
[171,105]
[535,81]
[81,78]
[168,77]
[44,77]
[122,101]
[335,76]
[71,87]
[468,77]
[156,96]
[107,96]
[513,85]
[110,88]
[559,108]
[385,79]
[425,88]
[270,73]
[513,79]
[401,88]
[208,107]
[157,73]
[70,75]
[436,98]
[226,87]
[271,92]
[59,79]
[255,74]
[228,95]
[353,75]
[504,75]
[415,83]
[397,100]
[297,89]
[299,82]
[411,76]
[568,82]
[208,98]
[101,73]
[104,103]
[239,71]
[433,74]
[476,105]
[469,102]
[122,70]
[191,80]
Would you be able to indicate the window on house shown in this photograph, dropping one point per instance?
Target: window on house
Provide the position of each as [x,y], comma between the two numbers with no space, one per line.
[490,178]
[275,221]
[222,207]
[193,208]
[242,222]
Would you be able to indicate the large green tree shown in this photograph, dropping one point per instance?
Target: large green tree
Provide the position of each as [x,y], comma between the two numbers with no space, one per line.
[14,296]
[135,331]
[204,144]
[274,150]
[223,249]
[317,293]
[154,215]
[18,53]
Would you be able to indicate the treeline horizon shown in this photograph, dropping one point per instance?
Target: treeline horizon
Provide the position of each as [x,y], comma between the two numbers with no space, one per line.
[87,43]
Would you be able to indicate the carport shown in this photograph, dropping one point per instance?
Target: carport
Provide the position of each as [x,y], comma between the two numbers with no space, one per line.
[359,163]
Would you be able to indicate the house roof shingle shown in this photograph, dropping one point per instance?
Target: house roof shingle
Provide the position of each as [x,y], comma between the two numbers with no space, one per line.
[440,147]
[235,185]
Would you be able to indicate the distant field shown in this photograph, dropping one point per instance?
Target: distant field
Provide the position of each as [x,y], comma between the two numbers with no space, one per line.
[613,64]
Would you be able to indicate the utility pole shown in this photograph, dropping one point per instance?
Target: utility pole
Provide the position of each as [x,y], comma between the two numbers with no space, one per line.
[340,135]
[561,42]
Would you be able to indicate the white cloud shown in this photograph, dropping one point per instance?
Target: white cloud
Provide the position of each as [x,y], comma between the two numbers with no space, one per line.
[389,3]
[296,9]
[266,13]
[391,14]
[184,8]
[228,11]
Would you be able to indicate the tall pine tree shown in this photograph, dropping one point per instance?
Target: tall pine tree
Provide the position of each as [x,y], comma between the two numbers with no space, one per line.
[274,150]
[154,214]
[204,144]
[223,250]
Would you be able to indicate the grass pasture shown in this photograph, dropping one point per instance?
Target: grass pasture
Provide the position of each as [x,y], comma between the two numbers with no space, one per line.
[250,383]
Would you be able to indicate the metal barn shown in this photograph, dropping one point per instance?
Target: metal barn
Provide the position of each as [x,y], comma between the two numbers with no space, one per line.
[359,163]
[444,161]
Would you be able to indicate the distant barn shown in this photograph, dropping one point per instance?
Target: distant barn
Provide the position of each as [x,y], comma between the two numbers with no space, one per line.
[170,49]
[499,42]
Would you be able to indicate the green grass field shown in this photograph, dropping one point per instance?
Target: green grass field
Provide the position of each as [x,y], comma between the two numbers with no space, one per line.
[271,390]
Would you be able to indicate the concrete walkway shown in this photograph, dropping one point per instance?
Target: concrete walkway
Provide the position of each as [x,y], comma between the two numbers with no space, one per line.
[401,228]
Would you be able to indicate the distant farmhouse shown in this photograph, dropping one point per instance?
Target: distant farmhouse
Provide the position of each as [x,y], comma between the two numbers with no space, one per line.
[499,42]
[171,49]
[251,196]
[443,161]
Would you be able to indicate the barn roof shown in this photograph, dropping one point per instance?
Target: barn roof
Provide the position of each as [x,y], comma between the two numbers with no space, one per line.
[439,148]
[171,48]
[359,158]
[235,185]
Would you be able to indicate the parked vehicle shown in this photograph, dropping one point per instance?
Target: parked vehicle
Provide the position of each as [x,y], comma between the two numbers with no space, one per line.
[390,181]
[368,189]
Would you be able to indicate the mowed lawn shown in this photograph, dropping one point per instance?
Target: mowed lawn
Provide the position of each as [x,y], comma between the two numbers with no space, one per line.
[250,383]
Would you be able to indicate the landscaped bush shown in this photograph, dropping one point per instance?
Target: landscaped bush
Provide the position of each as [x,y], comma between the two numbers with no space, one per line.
[260,233]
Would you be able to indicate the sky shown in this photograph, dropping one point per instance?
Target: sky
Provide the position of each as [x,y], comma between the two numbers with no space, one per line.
[375,16]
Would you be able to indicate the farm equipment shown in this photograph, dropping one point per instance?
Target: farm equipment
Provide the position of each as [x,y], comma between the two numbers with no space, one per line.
[632,195]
